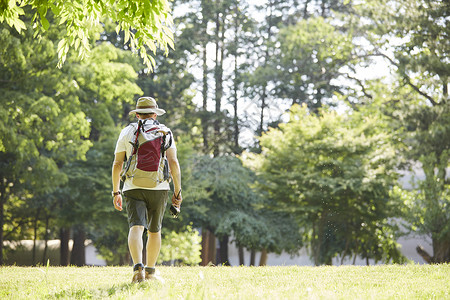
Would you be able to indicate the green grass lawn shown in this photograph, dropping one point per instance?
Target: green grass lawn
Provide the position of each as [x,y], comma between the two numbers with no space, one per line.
[344,282]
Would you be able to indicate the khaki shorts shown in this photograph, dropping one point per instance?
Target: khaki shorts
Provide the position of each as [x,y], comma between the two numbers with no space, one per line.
[146,208]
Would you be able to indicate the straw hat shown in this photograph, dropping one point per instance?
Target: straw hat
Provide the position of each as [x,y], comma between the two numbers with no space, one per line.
[146,105]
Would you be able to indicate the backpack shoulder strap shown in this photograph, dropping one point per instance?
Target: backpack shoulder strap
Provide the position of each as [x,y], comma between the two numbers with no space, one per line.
[167,133]
[135,145]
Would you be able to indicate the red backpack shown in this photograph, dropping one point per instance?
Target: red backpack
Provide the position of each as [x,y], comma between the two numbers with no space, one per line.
[147,166]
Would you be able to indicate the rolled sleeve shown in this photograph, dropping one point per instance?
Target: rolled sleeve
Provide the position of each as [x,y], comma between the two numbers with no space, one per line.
[122,141]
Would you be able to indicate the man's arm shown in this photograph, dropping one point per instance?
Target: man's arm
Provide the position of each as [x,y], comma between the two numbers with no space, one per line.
[116,169]
[176,174]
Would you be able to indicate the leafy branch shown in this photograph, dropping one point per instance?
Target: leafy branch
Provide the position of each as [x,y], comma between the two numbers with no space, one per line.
[147,25]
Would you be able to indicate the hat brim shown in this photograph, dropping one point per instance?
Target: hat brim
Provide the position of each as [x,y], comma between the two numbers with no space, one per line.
[158,111]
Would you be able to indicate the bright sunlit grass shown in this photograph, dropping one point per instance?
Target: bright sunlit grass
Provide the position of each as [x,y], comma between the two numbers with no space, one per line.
[344,282]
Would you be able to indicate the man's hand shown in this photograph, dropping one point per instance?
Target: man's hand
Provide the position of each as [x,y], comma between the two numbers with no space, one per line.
[116,170]
[177,199]
[118,202]
[176,204]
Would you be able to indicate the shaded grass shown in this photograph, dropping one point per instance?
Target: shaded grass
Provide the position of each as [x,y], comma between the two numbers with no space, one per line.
[344,282]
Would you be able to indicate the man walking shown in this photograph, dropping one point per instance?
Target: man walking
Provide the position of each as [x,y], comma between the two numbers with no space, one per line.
[145,206]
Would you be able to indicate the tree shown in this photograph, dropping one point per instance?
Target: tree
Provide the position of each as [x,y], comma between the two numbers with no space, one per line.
[146,25]
[334,173]
[205,35]
[229,197]
[427,208]
[106,86]
[257,85]
[420,59]
[84,98]
[420,62]
[84,204]
[42,125]
[260,229]
[432,193]
[289,60]
[312,54]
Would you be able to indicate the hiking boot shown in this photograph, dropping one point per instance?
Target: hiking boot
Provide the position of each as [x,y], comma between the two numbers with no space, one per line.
[152,274]
[139,274]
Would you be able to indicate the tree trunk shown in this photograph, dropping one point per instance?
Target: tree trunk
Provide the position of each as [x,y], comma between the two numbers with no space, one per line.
[2,216]
[252,257]
[64,253]
[305,10]
[241,256]
[263,258]
[441,250]
[124,260]
[44,255]
[208,253]
[445,89]
[263,106]
[204,254]
[204,42]
[347,244]
[426,257]
[205,102]
[218,78]
[223,251]
[33,258]
[323,8]
[212,248]
[315,245]
[236,81]
[266,58]
[78,256]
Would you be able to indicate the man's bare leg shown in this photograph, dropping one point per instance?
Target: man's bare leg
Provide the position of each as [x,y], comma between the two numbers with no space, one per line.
[153,248]
[135,245]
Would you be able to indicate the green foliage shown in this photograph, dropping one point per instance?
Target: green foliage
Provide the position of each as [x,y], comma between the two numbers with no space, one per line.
[37,116]
[229,198]
[221,196]
[181,248]
[146,25]
[227,183]
[329,175]
[416,33]
[427,205]
[248,230]
[106,84]
[420,104]
[312,52]
[42,125]
[333,174]
[52,117]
